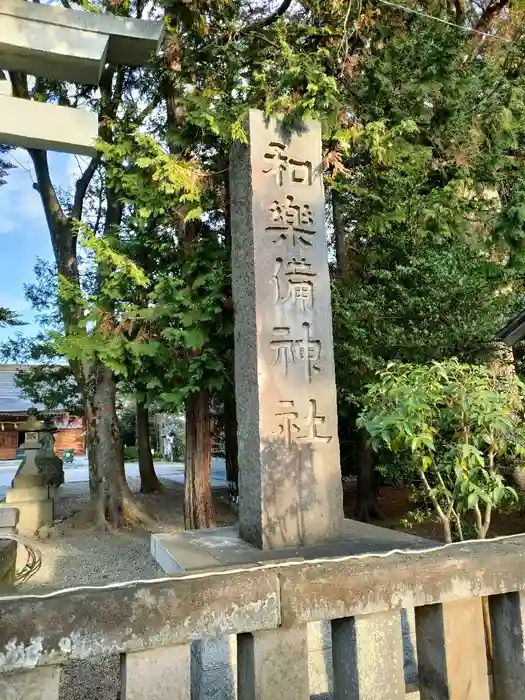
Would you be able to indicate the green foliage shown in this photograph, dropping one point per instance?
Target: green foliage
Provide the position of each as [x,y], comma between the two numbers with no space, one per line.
[423,149]
[9,318]
[459,425]
[189,311]
[131,453]
[427,193]
[413,304]
[53,386]
[140,171]
[5,165]
[47,378]
[432,153]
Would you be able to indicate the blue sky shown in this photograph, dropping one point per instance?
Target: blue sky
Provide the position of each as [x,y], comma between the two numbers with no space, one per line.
[23,231]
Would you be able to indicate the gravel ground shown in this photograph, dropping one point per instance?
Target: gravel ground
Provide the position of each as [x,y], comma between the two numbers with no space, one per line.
[84,556]
[73,557]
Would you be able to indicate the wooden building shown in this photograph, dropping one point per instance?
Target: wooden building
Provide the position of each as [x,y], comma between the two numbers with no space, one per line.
[70,433]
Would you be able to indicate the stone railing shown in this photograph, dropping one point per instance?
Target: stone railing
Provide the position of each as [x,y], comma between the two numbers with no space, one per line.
[154,625]
[8,548]
[7,564]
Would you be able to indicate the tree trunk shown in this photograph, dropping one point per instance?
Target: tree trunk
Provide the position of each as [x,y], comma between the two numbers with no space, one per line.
[231,447]
[366,509]
[149,481]
[113,501]
[198,502]
[90,447]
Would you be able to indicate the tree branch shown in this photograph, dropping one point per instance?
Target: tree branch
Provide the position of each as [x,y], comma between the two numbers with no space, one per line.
[439,510]
[273,17]
[98,217]
[151,107]
[82,185]
[19,85]
[53,211]
[479,522]
[487,518]
[108,109]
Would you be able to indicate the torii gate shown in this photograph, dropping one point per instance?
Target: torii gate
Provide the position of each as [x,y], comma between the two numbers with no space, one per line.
[69,45]
[66,45]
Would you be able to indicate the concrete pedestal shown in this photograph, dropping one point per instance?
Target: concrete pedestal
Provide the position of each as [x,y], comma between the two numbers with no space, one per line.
[214,661]
[201,550]
[35,506]
[9,521]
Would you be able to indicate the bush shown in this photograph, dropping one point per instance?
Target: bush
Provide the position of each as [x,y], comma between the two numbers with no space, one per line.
[131,453]
[178,449]
[455,426]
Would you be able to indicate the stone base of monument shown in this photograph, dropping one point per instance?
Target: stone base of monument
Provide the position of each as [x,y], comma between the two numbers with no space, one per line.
[194,550]
[35,506]
[214,661]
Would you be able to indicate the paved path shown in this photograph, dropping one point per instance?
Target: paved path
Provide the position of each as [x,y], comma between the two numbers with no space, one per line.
[79,472]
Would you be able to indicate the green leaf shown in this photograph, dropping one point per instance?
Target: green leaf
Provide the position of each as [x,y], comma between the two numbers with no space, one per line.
[194,338]
[427,441]
[426,462]
[498,494]
[472,500]
[194,213]
[154,383]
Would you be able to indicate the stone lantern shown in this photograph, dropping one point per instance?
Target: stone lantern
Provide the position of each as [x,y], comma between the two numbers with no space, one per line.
[30,490]
[50,466]
[28,474]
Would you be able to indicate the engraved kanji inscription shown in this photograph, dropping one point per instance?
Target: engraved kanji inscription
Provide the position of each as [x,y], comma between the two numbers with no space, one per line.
[304,350]
[283,348]
[294,282]
[293,222]
[289,429]
[281,164]
[308,351]
[287,425]
[314,422]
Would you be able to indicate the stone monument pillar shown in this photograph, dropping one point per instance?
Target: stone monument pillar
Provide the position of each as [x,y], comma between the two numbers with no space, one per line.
[289,469]
[290,491]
